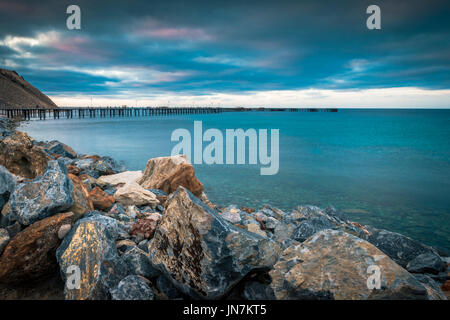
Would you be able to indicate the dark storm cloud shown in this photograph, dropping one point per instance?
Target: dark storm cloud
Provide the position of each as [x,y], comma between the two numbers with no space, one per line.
[226,46]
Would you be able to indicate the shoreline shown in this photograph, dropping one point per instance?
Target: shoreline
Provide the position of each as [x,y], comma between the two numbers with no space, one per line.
[164,237]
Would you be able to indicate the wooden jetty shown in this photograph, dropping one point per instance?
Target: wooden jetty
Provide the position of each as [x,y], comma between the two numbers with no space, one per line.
[103,112]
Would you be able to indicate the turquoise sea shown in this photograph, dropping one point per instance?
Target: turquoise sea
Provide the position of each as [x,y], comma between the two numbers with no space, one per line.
[387,168]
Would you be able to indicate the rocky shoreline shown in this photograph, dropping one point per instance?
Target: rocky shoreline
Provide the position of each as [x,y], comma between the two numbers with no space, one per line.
[133,235]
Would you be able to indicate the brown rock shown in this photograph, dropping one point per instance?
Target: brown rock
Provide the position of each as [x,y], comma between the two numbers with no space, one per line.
[333,264]
[203,254]
[73,170]
[93,157]
[184,176]
[31,253]
[82,202]
[168,173]
[248,210]
[100,199]
[146,227]
[446,286]
[21,157]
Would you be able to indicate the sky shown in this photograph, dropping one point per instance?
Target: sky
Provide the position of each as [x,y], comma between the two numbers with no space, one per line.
[232,53]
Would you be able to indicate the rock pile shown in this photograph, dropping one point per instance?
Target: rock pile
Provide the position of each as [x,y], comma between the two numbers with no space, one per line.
[128,235]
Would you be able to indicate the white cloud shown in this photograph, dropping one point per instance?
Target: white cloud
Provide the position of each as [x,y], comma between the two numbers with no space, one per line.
[406,97]
[121,75]
[21,44]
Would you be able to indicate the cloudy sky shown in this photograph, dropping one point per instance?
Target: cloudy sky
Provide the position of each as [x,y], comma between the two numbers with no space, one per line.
[232,53]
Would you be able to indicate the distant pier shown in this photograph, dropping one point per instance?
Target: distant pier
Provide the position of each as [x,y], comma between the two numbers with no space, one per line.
[103,112]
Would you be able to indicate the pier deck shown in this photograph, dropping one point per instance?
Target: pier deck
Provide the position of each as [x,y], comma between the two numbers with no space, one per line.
[69,113]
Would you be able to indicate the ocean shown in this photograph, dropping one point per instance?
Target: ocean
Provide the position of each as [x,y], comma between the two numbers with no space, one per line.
[385,167]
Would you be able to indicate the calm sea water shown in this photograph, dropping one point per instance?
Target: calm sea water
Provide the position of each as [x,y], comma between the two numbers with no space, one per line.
[387,168]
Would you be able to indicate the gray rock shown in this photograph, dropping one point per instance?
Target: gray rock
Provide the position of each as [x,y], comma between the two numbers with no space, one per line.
[309,227]
[110,190]
[139,263]
[4,239]
[333,264]
[231,214]
[440,277]
[44,196]
[6,127]
[273,212]
[426,263]
[398,247]
[166,287]
[254,290]
[158,192]
[64,230]
[7,185]
[333,212]
[59,148]
[66,161]
[91,246]
[202,254]
[283,231]
[433,288]
[271,223]
[83,164]
[132,288]
[117,209]
[107,166]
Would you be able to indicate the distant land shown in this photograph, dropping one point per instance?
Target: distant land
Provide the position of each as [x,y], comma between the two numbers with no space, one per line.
[16,92]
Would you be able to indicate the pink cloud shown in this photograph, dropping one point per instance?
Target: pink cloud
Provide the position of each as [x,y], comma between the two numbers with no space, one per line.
[12,6]
[78,46]
[150,28]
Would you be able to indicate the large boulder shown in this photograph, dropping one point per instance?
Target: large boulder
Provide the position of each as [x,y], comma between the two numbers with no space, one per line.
[398,247]
[107,166]
[132,288]
[43,196]
[168,173]
[82,202]
[121,178]
[91,246]
[133,194]
[58,148]
[7,184]
[202,254]
[31,253]
[21,157]
[333,264]
[96,166]
[426,263]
